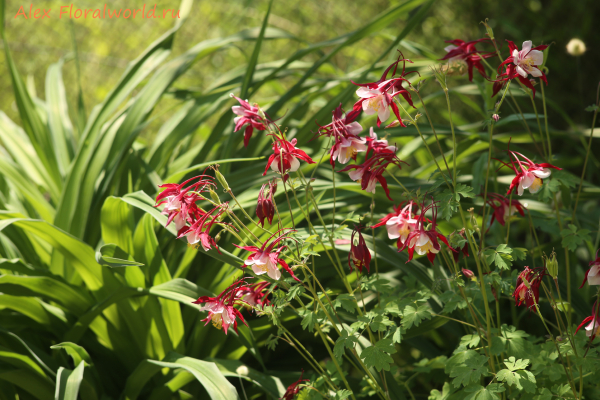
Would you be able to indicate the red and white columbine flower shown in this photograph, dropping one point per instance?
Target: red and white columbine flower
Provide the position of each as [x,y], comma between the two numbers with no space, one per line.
[264,260]
[521,64]
[425,241]
[179,204]
[530,176]
[503,208]
[592,275]
[465,53]
[294,388]
[285,158]
[199,231]
[247,115]
[264,206]
[527,287]
[359,254]
[400,223]
[371,171]
[592,328]
[344,130]
[221,309]
[255,295]
[379,145]
[377,97]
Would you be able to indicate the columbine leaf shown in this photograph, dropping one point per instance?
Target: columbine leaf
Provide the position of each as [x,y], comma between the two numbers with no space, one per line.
[573,238]
[550,186]
[592,108]
[414,316]
[378,356]
[343,342]
[346,301]
[513,364]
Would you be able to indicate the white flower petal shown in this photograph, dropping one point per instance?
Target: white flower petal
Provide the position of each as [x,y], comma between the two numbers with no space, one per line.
[354,128]
[543,173]
[367,93]
[537,57]
[295,164]
[527,180]
[535,72]
[526,46]
[521,71]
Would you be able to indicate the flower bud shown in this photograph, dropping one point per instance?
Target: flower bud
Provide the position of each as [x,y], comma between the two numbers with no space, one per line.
[576,47]
[393,124]
[496,117]
[552,265]
[468,273]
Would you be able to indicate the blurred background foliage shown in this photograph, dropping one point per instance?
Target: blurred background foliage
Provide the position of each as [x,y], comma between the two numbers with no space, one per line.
[106,46]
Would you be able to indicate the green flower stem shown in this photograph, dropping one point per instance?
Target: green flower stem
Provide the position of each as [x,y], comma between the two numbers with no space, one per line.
[247,215]
[587,153]
[489,160]
[546,120]
[537,146]
[482,284]
[453,137]
[316,296]
[509,217]
[414,122]
[433,130]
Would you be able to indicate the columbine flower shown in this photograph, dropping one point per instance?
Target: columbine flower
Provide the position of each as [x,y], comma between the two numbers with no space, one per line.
[359,254]
[248,115]
[530,176]
[264,259]
[221,310]
[379,145]
[285,158]
[592,275]
[465,53]
[371,171]
[592,328]
[425,241]
[503,208]
[264,206]
[527,287]
[344,130]
[254,295]
[377,97]
[179,204]
[400,223]
[199,231]
[294,388]
[520,64]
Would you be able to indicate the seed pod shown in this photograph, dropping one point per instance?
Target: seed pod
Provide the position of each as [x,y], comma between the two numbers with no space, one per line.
[214,196]
[552,265]
[222,180]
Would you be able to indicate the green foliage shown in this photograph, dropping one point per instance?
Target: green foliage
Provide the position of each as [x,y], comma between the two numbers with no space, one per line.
[573,237]
[378,355]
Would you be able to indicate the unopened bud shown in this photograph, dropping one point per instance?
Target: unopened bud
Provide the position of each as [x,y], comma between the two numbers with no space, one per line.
[261,113]
[393,124]
[576,47]
[214,196]
[468,273]
[552,265]
[533,81]
[218,237]
[496,117]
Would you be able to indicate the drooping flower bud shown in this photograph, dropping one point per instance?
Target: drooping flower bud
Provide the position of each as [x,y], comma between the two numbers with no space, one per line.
[468,273]
[360,254]
[496,117]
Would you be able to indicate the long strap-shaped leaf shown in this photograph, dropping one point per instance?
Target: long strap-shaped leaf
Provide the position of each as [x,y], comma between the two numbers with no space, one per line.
[137,71]
[207,373]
